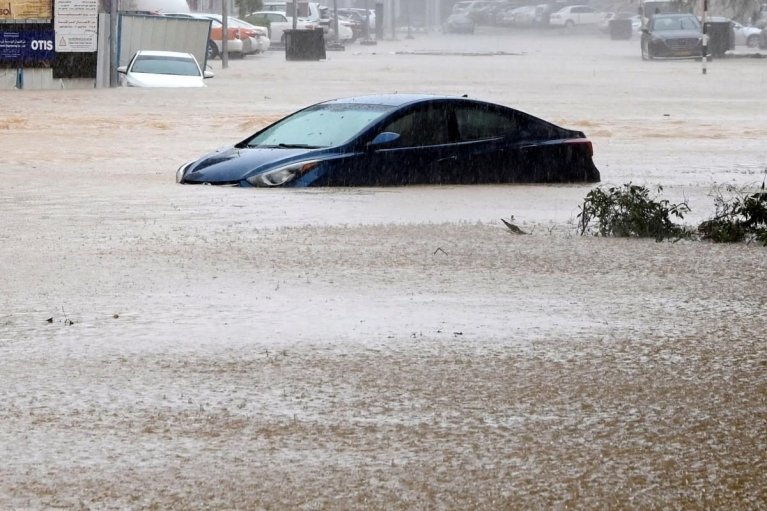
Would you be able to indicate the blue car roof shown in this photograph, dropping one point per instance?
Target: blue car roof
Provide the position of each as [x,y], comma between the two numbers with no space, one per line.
[389,99]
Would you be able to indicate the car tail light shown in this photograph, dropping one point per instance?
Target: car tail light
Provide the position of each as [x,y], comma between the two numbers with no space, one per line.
[585,142]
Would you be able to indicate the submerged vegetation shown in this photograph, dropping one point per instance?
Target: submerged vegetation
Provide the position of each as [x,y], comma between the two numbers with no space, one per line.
[636,211]
[630,211]
[739,217]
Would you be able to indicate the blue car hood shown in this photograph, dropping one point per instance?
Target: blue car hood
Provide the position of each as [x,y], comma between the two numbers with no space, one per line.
[232,165]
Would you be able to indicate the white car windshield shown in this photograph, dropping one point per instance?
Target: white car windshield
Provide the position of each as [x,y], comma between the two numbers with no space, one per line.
[178,66]
[320,126]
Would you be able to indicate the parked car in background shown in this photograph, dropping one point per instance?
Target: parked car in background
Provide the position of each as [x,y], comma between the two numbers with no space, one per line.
[307,11]
[604,24]
[467,5]
[504,16]
[163,69]
[576,15]
[257,37]
[153,7]
[458,23]
[523,16]
[543,14]
[235,40]
[355,22]
[476,9]
[484,14]
[763,39]
[494,9]
[361,14]
[400,139]
[636,21]
[276,23]
[345,28]
[672,36]
[746,36]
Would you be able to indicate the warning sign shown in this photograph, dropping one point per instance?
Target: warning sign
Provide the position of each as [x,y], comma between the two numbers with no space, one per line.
[76,25]
[75,42]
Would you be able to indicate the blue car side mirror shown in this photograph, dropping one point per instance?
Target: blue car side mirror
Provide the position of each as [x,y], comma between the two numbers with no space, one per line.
[384,138]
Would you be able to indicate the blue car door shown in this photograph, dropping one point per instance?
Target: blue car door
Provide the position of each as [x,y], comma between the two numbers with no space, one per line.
[502,145]
[424,153]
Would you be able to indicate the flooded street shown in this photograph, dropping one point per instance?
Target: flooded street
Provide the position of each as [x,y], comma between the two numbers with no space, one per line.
[195,347]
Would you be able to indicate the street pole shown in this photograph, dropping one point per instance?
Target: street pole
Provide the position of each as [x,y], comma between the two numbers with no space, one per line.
[113,13]
[224,34]
[336,38]
[409,32]
[366,32]
[705,35]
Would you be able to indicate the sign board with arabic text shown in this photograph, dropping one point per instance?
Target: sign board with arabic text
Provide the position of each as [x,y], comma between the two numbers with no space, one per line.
[22,10]
[76,25]
[24,46]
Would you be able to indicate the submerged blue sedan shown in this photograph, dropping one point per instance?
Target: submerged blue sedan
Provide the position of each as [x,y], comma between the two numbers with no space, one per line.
[400,139]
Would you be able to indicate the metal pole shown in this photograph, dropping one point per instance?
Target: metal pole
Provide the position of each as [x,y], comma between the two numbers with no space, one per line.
[336,37]
[394,10]
[392,18]
[366,32]
[705,35]
[409,32]
[224,34]
[113,14]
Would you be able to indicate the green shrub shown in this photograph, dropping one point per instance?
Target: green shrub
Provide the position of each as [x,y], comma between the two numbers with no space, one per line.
[739,217]
[630,211]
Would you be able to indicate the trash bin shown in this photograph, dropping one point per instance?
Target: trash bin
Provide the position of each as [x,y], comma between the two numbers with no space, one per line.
[620,29]
[302,44]
[721,37]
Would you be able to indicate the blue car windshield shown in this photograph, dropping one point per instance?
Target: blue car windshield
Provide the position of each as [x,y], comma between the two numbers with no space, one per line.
[320,126]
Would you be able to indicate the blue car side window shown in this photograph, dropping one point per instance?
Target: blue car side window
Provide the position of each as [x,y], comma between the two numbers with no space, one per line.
[475,123]
[422,127]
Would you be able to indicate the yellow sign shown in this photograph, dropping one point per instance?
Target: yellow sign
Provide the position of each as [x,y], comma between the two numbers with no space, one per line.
[26,10]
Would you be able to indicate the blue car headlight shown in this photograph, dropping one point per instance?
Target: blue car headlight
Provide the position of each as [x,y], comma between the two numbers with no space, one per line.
[181,172]
[282,175]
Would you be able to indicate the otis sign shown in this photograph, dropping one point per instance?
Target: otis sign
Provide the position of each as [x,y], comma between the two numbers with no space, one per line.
[26,46]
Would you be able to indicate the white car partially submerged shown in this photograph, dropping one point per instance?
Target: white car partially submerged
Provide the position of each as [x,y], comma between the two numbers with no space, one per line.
[163,69]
